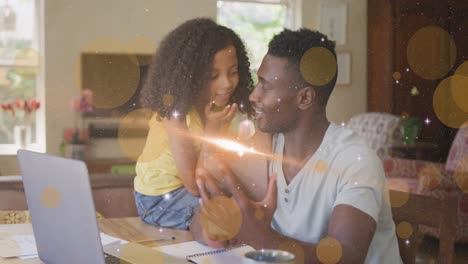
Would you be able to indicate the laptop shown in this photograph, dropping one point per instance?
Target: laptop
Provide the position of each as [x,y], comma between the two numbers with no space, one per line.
[62,213]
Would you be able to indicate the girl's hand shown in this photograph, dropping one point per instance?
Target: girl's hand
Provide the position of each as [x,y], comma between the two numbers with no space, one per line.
[216,120]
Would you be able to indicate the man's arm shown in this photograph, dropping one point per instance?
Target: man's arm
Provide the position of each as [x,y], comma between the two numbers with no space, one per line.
[196,227]
[352,228]
[250,169]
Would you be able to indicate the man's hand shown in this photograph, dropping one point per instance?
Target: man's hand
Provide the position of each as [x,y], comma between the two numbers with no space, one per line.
[219,215]
[237,219]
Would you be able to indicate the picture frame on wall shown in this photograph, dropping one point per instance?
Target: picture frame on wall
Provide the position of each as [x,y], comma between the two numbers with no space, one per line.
[333,21]
[344,68]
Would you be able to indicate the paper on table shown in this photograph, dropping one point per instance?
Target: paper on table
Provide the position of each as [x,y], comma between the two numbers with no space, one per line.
[184,249]
[199,253]
[15,246]
[106,239]
[230,256]
[24,246]
[29,257]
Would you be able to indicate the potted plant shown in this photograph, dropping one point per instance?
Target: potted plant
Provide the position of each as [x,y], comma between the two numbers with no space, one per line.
[76,139]
[22,112]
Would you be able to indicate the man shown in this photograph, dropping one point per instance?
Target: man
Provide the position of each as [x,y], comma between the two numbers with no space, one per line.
[329,191]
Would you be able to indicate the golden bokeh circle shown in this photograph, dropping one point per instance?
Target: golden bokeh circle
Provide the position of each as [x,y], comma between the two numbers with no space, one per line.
[28,57]
[404,230]
[318,66]
[329,250]
[462,69]
[105,46]
[459,90]
[28,62]
[50,197]
[461,174]
[98,46]
[221,218]
[142,45]
[398,199]
[445,106]
[320,166]
[168,100]
[396,76]
[135,253]
[259,213]
[122,76]
[464,130]
[431,52]
[133,130]
[430,176]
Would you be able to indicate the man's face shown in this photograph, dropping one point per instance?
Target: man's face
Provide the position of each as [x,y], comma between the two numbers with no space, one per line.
[274,97]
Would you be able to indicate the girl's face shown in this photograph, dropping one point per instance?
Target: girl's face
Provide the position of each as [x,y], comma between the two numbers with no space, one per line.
[224,77]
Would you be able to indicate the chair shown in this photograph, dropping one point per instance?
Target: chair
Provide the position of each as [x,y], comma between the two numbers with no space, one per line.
[425,210]
[380,130]
[436,180]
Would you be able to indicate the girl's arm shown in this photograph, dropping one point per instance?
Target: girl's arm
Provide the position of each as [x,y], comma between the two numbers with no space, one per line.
[214,123]
[182,143]
[251,169]
[185,155]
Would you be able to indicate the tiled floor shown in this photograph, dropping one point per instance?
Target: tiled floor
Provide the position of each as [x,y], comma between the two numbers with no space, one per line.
[429,248]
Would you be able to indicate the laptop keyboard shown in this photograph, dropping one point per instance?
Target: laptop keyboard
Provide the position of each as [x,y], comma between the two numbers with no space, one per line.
[109,259]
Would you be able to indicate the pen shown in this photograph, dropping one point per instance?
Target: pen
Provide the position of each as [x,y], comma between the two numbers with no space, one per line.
[155,239]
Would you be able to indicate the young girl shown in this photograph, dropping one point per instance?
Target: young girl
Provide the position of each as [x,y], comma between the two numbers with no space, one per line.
[197,82]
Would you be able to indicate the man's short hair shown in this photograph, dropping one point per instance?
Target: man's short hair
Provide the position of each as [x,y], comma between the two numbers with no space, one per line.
[292,45]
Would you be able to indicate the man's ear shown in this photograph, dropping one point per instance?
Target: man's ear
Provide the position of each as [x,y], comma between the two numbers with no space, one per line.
[306,97]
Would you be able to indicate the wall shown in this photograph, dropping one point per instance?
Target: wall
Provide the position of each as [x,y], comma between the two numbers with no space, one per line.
[71,25]
[346,101]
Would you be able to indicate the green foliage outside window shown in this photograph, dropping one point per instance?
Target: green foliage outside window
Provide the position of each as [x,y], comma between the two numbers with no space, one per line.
[256,24]
[17,81]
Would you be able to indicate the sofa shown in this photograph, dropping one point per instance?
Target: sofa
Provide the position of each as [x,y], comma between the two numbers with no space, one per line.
[439,180]
[380,130]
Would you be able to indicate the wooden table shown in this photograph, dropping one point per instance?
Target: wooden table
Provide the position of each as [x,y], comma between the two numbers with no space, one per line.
[131,229]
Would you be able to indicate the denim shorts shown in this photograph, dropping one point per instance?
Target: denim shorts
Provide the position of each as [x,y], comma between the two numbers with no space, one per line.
[174,209]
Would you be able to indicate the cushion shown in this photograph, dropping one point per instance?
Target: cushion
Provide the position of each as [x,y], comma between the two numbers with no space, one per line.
[380,131]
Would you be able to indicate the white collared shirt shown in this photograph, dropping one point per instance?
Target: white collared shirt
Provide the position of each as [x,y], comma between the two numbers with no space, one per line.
[342,171]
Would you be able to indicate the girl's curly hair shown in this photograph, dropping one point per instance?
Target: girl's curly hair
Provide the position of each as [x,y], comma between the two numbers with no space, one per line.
[182,65]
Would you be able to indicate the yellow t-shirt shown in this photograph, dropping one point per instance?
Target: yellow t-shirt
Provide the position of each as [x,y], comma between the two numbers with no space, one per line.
[156,172]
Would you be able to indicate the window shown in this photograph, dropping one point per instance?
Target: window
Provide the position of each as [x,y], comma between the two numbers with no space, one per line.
[21,74]
[256,21]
